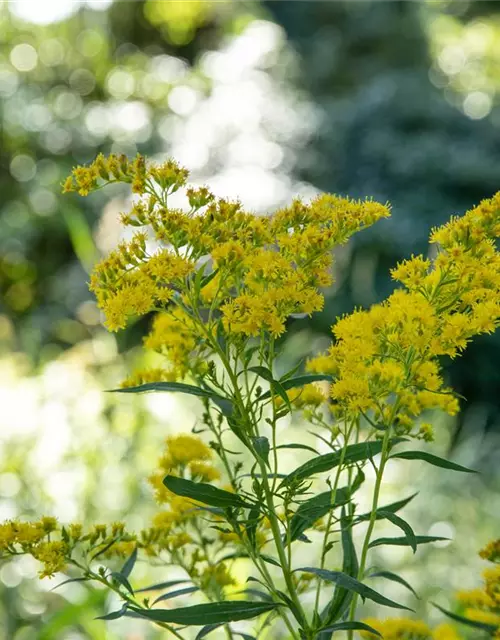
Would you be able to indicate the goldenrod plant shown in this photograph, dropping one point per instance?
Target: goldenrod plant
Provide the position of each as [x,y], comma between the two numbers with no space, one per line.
[223,283]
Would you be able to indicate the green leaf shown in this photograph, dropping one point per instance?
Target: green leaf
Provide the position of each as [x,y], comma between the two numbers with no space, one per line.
[354,453]
[270,560]
[261,446]
[212,613]
[347,626]
[289,374]
[208,628]
[167,386]
[174,594]
[127,568]
[298,446]
[114,615]
[342,598]
[61,584]
[203,492]
[225,405]
[350,583]
[404,542]
[121,579]
[263,372]
[402,524]
[208,278]
[300,381]
[315,508]
[162,585]
[258,594]
[490,628]
[276,386]
[432,459]
[394,507]
[395,578]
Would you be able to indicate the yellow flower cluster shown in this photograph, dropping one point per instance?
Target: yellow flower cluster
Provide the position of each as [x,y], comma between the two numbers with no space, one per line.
[184,453]
[385,360]
[407,629]
[259,270]
[310,395]
[483,605]
[32,537]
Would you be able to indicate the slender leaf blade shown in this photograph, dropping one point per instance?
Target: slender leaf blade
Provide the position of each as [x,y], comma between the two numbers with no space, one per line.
[403,541]
[389,575]
[162,585]
[179,387]
[300,381]
[403,525]
[203,492]
[356,626]
[354,453]
[470,623]
[208,628]
[212,613]
[129,564]
[114,615]
[432,459]
[350,583]
[315,508]
[176,593]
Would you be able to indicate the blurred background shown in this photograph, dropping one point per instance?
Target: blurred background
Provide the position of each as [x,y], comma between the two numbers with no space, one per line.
[262,101]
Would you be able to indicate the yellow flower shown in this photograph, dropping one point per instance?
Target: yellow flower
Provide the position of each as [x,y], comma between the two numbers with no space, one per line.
[53,555]
[398,629]
[445,632]
[184,448]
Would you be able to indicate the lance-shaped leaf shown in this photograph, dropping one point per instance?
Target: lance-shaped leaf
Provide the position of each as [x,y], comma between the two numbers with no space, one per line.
[203,492]
[350,583]
[353,453]
[305,447]
[208,628]
[162,585]
[432,459]
[490,628]
[393,507]
[212,613]
[114,615]
[175,594]
[315,508]
[300,381]
[404,542]
[276,386]
[178,387]
[342,598]
[402,524]
[121,579]
[347,626]
[129,564]
[394,578]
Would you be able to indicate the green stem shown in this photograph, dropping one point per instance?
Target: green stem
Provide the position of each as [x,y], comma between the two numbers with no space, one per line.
[330,514]
[371,524]
[285,568]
